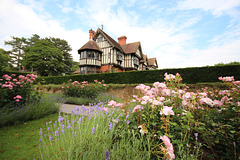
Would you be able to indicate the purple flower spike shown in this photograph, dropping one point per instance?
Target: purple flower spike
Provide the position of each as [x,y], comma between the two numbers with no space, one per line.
[93,130]
[40,132]
[50,138]
[56,133]
[107,155]
[110,126]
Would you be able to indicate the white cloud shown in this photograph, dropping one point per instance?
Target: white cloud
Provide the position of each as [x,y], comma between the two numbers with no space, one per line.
[21,21]
[217,7]
[170,40]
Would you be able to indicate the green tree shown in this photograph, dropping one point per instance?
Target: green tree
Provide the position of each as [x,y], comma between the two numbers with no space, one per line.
[44,58]
[4,60]
[18,44]
[65,48]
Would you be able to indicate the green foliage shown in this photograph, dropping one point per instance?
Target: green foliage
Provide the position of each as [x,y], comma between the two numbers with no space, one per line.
[102,98]
[21,141]
[90,137]
[225,64]
[189,75]
[31,110]
[84,89]
[21,45]
[17,44]
[44,58]
[4,60]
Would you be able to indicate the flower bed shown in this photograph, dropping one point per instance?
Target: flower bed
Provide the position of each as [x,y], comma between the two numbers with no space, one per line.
[161,122]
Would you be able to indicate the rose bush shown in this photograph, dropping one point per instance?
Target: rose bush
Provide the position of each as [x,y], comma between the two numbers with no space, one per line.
[17,89]
[84,89]
[168,113]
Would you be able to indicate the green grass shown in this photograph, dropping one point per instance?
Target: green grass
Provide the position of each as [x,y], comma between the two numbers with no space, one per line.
[22,141]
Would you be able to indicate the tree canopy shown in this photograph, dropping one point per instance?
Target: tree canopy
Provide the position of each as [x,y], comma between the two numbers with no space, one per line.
[4,60]
[49,46]
[44,58]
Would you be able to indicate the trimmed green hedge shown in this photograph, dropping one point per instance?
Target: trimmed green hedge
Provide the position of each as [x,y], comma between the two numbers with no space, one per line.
[190,76]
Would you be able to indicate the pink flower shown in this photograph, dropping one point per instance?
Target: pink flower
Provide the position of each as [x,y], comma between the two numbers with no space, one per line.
[105,109]
[104,84]
[169,146]
[187,95]
[112,103]
[138,107]
[167,110]
[184,103]
[238,103]
[17,100]
[133,101]
[19,97]
[206,101]
[67,86]
[156,102]
[62,87]
[118,105]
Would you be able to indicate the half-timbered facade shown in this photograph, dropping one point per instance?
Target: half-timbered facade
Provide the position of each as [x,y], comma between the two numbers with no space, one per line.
[103,54]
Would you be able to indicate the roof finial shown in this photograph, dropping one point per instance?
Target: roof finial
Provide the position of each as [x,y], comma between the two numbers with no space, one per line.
[102,25]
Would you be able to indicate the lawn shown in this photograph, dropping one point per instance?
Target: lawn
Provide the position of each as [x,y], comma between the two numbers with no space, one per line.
[22,141]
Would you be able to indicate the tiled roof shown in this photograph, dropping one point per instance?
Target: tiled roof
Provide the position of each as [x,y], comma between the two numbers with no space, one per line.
[111,41]
[144,58]
[151,61]
[90,45]
[130,47]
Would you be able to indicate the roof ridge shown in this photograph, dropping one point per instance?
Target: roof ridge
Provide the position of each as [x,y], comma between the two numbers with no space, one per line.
[114,43]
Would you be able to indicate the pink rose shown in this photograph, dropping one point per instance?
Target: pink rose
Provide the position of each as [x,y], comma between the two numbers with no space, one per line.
[138,107]
[105,109]
[19,97]
[167,110]
[112,103]
[118,105]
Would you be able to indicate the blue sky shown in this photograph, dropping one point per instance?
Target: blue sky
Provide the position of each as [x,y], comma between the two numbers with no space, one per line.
[179,33]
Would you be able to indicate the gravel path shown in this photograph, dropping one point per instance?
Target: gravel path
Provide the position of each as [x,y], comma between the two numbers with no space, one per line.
[82,110]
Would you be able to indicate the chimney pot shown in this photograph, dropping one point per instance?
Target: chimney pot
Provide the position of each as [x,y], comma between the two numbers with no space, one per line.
[91,34]
[122,40]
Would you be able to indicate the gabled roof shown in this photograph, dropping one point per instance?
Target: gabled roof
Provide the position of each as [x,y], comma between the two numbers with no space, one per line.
[151,61]
[145,59]
[110,40]
[90,45]
[130,47]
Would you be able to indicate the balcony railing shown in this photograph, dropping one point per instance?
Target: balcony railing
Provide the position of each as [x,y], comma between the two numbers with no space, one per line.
[94,62]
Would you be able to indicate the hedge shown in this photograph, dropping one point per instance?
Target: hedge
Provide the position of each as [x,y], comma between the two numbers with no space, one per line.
[191,75]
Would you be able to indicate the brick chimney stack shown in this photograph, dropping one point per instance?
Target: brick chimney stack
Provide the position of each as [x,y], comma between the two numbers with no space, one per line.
[91,34]
[122,40]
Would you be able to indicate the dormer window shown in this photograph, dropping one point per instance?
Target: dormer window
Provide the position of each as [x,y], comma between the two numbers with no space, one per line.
[100,39]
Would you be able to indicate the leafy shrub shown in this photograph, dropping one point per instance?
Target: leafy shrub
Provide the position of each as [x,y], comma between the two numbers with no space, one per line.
[84,89]
[174,118]
[17,90]
[29,111]
[191,75]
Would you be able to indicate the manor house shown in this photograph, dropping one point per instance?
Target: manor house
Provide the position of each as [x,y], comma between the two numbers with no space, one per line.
[103,54]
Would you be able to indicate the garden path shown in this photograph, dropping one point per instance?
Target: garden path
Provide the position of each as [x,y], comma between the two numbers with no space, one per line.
[67,108]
